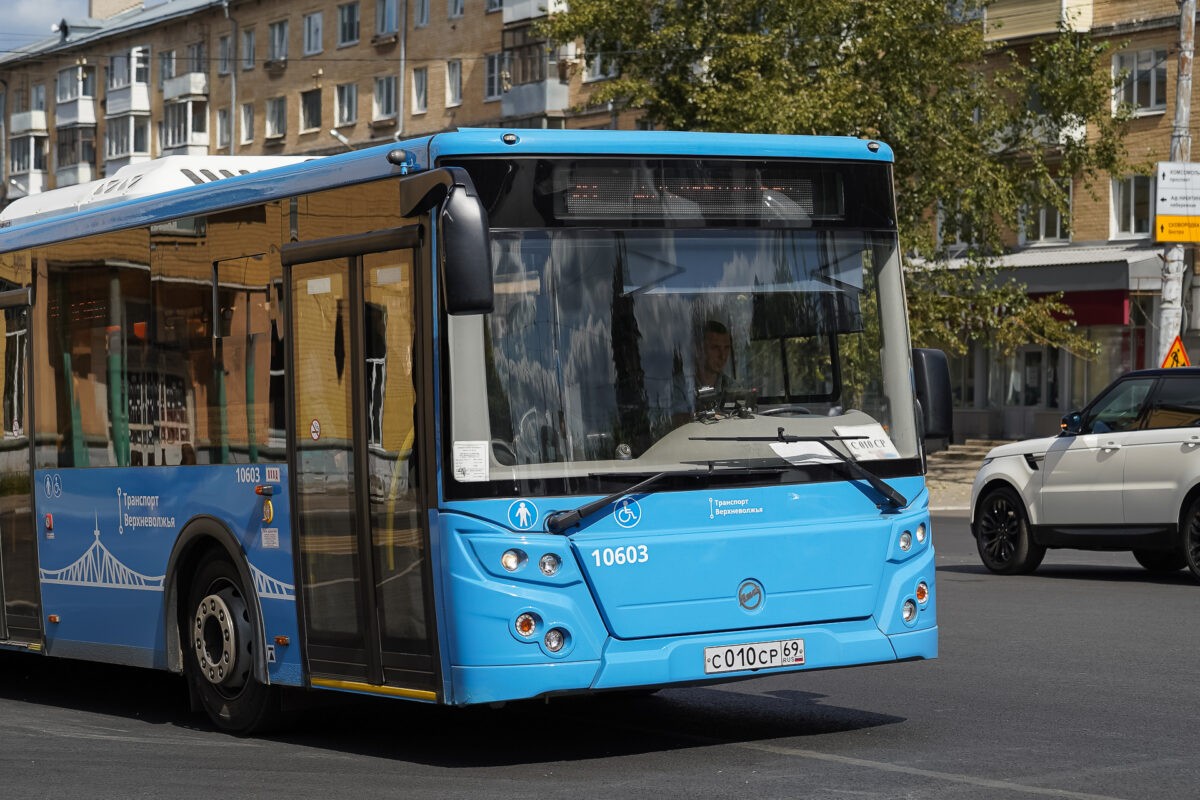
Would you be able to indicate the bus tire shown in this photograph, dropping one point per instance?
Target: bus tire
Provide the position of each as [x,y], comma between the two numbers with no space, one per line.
[220,649]
[1002,534]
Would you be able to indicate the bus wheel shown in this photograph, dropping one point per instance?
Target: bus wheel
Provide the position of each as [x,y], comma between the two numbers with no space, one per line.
[1002,534]
[219,651]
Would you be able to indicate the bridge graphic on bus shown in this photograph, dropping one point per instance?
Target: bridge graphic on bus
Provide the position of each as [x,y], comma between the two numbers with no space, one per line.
[99,568]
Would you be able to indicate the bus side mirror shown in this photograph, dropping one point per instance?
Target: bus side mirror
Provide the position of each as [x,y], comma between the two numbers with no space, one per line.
[931,375]
[462,233]
[466,250]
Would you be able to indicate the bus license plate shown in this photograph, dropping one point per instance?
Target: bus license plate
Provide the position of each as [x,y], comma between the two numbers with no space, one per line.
[754,655]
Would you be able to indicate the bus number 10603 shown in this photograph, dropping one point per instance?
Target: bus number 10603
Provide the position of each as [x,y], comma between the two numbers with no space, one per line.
[616,556]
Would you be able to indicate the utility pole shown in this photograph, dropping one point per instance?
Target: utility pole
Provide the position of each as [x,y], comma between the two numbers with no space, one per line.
[1170,314]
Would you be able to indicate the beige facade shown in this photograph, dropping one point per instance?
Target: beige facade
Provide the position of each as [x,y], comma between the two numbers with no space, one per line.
[1103,257]
[265,77]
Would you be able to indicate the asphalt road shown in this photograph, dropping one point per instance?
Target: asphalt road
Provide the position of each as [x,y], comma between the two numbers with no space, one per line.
[1076,682]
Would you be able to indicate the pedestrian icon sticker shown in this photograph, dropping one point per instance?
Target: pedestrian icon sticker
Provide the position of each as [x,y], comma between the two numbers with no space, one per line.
[1176,356]
[522,515]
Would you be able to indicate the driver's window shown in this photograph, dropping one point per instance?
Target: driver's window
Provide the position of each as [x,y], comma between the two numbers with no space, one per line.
[1120,408]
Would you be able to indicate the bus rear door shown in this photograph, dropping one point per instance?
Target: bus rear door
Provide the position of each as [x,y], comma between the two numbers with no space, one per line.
[21,620]
[363,539]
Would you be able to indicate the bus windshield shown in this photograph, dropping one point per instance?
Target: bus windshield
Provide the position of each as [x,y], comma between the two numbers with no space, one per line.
[648,349]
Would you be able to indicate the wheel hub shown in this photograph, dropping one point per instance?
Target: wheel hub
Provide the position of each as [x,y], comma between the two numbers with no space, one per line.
[218,637]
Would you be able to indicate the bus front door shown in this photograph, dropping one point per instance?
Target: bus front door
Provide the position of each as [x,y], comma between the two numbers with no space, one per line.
[21,620]
[363,541]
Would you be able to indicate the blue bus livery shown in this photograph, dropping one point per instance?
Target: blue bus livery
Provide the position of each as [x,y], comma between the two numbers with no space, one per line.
[472,418]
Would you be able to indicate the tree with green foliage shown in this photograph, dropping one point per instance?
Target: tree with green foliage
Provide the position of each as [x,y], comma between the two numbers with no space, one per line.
[981,131]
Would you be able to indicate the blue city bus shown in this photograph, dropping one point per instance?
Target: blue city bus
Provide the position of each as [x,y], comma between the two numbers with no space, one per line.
[482,416]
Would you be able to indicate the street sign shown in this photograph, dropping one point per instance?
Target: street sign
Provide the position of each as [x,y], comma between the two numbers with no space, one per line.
[1176,356]
[1177,206]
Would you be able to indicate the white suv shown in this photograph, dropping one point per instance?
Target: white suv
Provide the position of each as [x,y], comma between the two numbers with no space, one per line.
[1124,474]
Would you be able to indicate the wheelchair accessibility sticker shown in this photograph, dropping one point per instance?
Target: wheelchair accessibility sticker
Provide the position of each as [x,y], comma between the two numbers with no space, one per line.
[627,512]
[522,515]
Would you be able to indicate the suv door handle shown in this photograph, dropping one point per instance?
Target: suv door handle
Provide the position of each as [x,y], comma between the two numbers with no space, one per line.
[1111,446]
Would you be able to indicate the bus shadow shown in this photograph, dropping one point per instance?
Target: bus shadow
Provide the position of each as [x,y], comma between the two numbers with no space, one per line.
[531,732]
[573,728]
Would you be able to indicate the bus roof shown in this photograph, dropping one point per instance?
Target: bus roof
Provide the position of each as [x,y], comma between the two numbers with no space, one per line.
[182,186]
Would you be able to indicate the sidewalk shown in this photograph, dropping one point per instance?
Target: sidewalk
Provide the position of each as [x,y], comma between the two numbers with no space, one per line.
[951,473]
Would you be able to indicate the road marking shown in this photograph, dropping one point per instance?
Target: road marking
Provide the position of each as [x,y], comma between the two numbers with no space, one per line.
[952,777]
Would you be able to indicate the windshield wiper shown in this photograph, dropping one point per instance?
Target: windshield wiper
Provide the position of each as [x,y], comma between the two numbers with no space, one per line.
[559,521]
[893,497]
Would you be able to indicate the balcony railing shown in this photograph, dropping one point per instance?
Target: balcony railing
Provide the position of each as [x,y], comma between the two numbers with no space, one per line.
[189,84]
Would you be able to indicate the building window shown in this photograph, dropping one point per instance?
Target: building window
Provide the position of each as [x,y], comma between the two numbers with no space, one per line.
[1144,79]
[525,56]
[248,49]
[494,5]
[454,8]
[181,120]
[385,97]
[277,47]
[75,83]
[599,67]
[276,117]
[347,24]
[421,14]
[223,131]
[247,123]
[27,153]
[346,102]
[453,83]
[310,110]
[1047,224]
[224,55]
[75,146]
[1132,205]
[313,25]
[166,66]
[420,90]
[492,83]
[386,16]
[127,135]
[197,57]
[131,67]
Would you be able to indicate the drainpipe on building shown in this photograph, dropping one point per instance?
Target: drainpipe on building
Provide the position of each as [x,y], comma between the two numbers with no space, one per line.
[403,61]
[1170,310]
[235,116]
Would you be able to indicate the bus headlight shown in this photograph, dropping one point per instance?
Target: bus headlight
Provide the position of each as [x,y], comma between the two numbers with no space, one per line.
[512,560]
[908,611]
[555,639]
[906,541]
[922,532]
[549,564]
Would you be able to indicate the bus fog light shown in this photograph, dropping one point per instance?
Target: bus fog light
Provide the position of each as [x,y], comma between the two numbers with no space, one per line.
[512,560]
[555,639]
[526,625]
[906,541]
[922,592]
[922,532]
[909,611]
[549,564]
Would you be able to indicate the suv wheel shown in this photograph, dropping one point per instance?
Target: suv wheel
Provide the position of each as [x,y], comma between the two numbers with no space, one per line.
[1191,537]
[1002,534]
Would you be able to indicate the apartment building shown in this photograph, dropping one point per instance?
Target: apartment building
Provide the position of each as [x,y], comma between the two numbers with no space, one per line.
[1103,256]
[140,79]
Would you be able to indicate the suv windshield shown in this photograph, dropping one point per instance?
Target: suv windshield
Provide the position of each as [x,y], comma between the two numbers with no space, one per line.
[643,350]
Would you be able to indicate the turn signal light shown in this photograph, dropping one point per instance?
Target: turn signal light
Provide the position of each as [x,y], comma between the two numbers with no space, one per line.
[922,592]
[526,625]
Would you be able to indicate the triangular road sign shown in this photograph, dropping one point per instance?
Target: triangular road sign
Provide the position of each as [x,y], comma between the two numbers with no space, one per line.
[1176,356]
